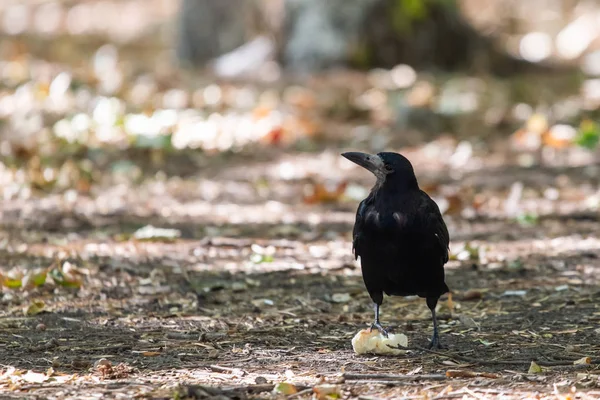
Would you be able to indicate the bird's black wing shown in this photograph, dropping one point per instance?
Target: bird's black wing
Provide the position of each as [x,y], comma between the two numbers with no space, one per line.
[358,228]
[434,223]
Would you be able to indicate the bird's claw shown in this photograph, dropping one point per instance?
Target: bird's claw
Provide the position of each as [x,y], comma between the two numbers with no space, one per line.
[435,343]
[380,328]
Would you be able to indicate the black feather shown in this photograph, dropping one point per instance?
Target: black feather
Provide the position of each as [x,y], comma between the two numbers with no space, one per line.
[400,237]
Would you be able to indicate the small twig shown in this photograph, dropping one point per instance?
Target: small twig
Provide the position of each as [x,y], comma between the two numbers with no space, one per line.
[229,390]
[243,360]
[578,366]
[50,344]
[440,397]
[464,391]
[449,396]
[218,368]
[183,336]
[300,393]
[384,382]
[111,348]
[394,377]
[455,373]
[472,393]
[211,336]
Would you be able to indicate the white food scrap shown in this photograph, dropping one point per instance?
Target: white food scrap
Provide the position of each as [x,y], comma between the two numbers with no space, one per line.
[373,342]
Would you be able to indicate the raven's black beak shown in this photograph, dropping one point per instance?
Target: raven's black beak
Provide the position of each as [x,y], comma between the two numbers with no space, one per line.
[372,162]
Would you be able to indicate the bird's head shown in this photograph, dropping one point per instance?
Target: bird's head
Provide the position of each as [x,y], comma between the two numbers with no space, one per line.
[387,167]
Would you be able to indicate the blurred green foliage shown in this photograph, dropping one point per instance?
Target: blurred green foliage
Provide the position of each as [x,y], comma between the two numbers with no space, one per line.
[407,12]
[589,135]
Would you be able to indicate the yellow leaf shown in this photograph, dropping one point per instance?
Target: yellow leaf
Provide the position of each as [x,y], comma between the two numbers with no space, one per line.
[12,283]
[285,388]
[534,368]
[63,279]
[34,278]
[34,308]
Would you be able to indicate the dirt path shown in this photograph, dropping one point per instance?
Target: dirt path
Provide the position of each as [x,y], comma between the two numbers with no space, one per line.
[275,296]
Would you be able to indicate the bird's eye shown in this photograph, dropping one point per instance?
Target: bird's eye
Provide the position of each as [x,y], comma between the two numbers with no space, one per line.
[388,168]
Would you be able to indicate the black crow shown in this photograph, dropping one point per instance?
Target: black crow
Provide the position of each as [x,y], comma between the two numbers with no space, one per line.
[400,236]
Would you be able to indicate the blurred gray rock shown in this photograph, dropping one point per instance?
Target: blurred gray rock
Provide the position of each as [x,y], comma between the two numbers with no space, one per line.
[209,28]
[320,34]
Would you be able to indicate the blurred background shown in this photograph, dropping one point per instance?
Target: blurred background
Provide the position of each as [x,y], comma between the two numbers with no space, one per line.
[234,111]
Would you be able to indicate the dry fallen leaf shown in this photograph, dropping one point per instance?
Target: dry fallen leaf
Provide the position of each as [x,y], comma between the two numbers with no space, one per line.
[35,377]
[275,136]
[340,297]
[452,204]
[120,371]
[323,392]
[583,361]
[450,303]
[529,139]
[468,321]
[102,361]
[322,193]
[150,233]
[559,136]
[473,294]
[34,308]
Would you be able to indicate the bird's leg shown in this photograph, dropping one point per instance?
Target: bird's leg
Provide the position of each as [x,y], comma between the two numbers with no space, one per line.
[376,324]
[435,339]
